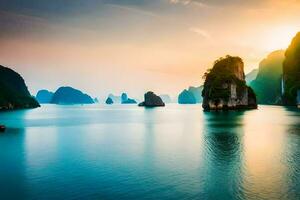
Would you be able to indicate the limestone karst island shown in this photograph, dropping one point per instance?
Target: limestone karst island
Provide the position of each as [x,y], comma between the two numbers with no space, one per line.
[150,100]
[225,86]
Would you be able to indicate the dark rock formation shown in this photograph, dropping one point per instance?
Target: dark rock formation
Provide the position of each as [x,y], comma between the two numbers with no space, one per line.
[165,98]
[13,91]
[267,85]
[186,97]
[152,100]
[251,76]
[69,95]
[126,100]
[291,72]
[109,101]
[225,87]
[44,96]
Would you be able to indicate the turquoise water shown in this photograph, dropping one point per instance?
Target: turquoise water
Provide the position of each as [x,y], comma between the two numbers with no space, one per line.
[127,152]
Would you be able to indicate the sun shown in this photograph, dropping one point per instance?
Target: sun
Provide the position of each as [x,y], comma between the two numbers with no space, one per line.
[280,37]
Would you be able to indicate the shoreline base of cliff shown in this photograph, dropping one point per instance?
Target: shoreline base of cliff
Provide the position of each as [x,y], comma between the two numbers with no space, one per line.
[235,108]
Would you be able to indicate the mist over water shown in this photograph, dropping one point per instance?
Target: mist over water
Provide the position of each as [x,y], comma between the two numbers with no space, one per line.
[127,152]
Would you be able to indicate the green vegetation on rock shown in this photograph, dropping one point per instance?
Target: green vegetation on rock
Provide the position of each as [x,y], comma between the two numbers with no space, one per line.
[13,91]
[225,86]
[224,71]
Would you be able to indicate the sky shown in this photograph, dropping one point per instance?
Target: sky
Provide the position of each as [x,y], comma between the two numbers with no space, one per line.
[114,46]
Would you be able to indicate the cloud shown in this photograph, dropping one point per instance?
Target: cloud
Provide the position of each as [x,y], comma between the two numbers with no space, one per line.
[188,2]
[216,3]
[134,10]
[201,32]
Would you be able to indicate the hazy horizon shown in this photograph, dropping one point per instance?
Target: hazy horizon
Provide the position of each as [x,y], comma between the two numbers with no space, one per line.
[114,46]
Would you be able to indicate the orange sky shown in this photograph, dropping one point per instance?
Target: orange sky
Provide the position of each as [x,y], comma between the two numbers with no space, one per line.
[112,46]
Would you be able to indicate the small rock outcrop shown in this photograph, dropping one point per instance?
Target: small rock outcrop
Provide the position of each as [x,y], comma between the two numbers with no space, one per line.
[186,97]
[44,96]
[291,72]
[126,100]
[69,96]
[109,101]
[13,91]
[225,86]
[152,100]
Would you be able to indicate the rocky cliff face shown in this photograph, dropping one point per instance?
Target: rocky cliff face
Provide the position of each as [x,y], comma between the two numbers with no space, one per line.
[267,85]
[291,72]
[13,91]
[152,100]
[69,95]
[225,86]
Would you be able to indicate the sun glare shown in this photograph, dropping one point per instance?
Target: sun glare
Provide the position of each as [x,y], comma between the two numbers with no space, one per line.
[280,37]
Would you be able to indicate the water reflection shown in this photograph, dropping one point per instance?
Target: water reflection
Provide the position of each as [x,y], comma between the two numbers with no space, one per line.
[168,153]
[13,183]
[223,135]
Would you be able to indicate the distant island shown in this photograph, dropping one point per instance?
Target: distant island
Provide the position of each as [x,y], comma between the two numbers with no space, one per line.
[152,100]
[123,99]
[186,97]
[69,95]
[291,73]
[109,101]
[126,100]
[225,86]
[192,95]
[44,96]
[115,99]
[267,84]
[14,93]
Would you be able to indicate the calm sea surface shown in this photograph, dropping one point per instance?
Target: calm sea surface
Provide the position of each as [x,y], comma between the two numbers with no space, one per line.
[127,152]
